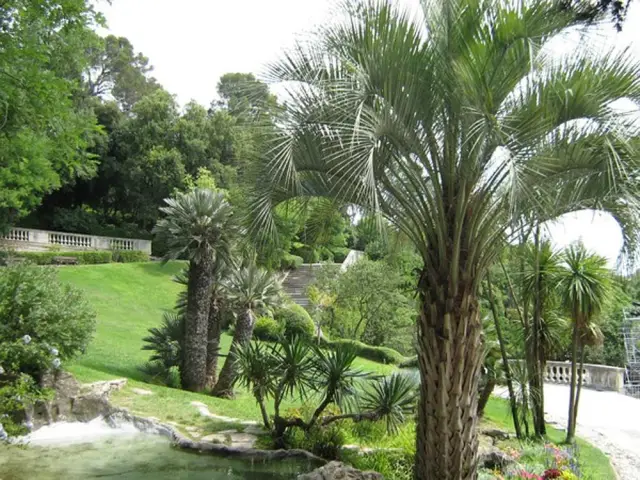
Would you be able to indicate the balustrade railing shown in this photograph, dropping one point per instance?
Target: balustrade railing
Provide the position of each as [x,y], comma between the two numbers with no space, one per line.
[29,239]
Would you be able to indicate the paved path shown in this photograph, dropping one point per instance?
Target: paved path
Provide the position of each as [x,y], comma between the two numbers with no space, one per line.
[609,420]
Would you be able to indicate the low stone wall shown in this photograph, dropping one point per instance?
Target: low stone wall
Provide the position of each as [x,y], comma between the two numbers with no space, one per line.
[595,376]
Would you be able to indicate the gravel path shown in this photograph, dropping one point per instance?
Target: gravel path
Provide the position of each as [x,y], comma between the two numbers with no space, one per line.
[609,420]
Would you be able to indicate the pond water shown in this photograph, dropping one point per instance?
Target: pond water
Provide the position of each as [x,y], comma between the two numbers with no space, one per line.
[134,457]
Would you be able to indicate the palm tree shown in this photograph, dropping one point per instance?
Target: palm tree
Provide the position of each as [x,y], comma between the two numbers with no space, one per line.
[455,124]
[198,226]
[249,289]
[585,286]
[217,302]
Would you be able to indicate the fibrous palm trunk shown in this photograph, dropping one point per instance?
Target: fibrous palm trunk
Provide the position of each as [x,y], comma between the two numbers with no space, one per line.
[242,335]
[449,359]
[213,340]
[572,389]
[193,371]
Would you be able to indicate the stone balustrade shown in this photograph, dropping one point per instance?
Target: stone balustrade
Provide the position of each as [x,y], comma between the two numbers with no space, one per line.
[595,376]
[31,240]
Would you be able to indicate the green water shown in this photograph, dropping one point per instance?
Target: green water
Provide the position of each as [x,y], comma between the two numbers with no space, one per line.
[134,458]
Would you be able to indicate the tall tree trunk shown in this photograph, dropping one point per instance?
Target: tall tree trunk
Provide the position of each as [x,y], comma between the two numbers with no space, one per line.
[193,373]
[485,394]
[213,339]
[513,402]
[536,383]
[572,389]
[578,390]
[449,360]
[242,335]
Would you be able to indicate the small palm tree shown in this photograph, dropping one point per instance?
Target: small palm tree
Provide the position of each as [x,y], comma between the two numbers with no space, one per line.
[198,226]
[585,287]
[248,289]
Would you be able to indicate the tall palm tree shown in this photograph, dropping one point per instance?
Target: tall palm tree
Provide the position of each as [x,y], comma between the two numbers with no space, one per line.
[217,302]
[198,226]
[249,289]
[455,124]
[585,287]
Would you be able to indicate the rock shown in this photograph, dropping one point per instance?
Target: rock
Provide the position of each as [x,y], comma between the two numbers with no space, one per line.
[339,471]
[141,391]
[495,459]
[232,438]
[496,434]
[3,434]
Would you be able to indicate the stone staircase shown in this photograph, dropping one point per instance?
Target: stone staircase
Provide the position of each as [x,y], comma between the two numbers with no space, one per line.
[297,281]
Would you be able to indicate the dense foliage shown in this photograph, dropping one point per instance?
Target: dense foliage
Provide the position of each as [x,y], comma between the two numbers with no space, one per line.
[42,324]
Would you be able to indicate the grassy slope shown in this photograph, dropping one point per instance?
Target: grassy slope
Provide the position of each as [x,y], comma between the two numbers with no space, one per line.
[130,298]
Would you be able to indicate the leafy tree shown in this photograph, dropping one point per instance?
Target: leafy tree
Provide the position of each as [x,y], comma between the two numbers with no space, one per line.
[115,70]
[250,289]
[454,127]
[585,286]
[199,226]
[45,130]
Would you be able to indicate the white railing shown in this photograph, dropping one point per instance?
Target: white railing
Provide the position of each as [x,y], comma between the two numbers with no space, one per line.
[29,239]
[596,376]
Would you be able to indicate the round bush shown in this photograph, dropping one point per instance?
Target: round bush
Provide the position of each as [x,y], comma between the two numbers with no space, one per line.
[296,321]
[267,329]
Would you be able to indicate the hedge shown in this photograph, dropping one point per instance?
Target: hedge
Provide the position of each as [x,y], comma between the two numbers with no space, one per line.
[268,329]
[290,262]
[411,362]
[92,257]
[375,354]
[295,321]
[340,254]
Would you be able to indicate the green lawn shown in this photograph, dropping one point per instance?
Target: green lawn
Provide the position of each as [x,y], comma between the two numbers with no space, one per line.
[129,299]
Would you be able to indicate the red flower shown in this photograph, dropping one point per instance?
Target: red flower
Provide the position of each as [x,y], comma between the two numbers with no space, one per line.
[552,473]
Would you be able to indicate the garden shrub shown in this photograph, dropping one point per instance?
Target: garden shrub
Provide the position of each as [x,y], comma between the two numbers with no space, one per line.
[92,257]
[43,323]
[165,342]
[129,256]
[290,262]
[326,441]
[308,254]
[340,254]
[375,354]
[393,465]
[268,329]
[411,362]
[295,321]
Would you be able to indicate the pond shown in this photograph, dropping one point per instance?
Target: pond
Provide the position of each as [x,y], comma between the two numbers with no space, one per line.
[134,457]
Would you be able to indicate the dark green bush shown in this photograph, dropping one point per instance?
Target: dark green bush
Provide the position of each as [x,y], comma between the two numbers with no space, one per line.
[295,320]
[326,442]
[308,254]
[42,324]
[396,465]
[375,354]
[129,256]
[268,329]
[48,258]
[290,262]
[340,254]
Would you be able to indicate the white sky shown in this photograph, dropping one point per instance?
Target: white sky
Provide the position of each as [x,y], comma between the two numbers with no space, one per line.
[191,43]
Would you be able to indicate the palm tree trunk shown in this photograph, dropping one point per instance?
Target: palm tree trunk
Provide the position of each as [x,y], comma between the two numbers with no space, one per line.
[578,390]
[193,374]
[505,360]
[535,375]
[242,335]
[449,360]
[213,340]
[485,394]
[572,389]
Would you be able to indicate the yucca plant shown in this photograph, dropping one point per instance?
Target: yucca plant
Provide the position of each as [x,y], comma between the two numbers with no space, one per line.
[392,399]
[249,289]
[198,226]
[455,124]
[585,286]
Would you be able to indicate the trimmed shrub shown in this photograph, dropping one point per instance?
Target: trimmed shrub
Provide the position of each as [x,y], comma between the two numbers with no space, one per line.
[411,362]
[290,262]
[129,256]
[296,321]
[267,329]
[92,257]
[308,254]
[375,354]
[340,254]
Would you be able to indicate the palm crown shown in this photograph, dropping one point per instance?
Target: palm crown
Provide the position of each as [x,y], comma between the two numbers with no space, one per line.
[198,224]
[253,287]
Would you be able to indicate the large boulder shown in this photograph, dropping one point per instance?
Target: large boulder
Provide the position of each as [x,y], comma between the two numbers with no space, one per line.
[72,401]
[339,471]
